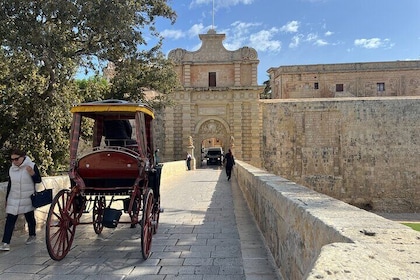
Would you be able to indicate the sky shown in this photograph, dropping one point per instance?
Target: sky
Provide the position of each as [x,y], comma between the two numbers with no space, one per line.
[300,32]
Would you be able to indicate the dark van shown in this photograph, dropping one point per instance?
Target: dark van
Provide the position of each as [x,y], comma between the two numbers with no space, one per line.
[214,155]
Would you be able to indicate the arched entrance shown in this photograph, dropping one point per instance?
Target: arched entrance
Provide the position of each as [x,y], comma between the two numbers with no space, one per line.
[212,132]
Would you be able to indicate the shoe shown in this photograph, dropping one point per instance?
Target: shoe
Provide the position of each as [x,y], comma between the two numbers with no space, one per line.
[5,247]
[31,239]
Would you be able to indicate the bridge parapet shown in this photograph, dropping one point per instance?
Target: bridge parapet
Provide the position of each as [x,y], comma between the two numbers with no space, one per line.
[314,236]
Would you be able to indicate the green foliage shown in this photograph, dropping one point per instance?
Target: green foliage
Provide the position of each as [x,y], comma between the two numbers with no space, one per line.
[92,89]
[32,118]
[266,94]
[43,43]
[146,71]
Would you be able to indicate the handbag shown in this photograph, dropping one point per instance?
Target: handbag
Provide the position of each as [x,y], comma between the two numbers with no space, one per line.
[111,217]
[41,198]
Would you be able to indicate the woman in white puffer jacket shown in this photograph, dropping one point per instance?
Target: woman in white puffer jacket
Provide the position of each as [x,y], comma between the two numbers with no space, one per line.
[23,175]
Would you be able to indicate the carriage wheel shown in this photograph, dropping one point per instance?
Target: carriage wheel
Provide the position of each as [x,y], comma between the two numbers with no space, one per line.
[146,224]
[134,213]
[156,214]
[60,225]
[98,213]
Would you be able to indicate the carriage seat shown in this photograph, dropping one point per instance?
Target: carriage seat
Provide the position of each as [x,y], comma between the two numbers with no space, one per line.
[109,171]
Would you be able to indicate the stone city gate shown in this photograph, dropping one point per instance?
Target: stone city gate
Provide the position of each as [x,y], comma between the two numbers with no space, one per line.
[218,102]
[227,119]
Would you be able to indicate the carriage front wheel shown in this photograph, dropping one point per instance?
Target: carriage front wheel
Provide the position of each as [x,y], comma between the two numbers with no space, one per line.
[60,226]
[98,213]
[146,224]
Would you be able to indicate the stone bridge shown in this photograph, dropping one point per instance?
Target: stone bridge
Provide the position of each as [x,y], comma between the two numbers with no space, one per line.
[308,235]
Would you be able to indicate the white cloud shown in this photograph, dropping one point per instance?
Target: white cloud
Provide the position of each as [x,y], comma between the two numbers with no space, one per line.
[173,34]
[373,43]
[242,28]
[328,33]
[321,42]
[220,3]
[197,29]
[262,41]
[290,27]
[311,37]
[295,41]
[238,35]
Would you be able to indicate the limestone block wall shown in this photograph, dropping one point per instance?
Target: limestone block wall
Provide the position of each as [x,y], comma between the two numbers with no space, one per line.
[393,78]
[363,151]
[314,236]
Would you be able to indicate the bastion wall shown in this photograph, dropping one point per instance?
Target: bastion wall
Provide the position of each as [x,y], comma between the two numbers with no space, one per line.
[363,151]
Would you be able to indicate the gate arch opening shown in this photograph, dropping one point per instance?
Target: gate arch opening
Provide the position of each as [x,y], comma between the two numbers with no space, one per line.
[211,132]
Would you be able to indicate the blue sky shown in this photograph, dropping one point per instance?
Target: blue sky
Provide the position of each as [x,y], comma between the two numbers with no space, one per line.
[295,32]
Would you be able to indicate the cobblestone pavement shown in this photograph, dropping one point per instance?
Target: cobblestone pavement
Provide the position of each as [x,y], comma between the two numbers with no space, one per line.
[205,233]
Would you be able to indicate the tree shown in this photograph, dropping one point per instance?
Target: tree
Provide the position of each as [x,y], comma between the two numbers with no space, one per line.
[146,71]
[43,43]
[30,119]
[266,94]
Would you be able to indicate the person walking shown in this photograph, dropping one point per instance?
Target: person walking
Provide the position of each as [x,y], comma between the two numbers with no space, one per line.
[23,175]
[189,161]
[229,163]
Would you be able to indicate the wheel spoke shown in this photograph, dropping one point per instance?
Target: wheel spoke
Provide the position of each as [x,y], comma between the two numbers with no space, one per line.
[147,230]
[61,225]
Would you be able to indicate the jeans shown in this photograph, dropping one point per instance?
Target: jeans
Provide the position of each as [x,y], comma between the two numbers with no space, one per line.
[10,225]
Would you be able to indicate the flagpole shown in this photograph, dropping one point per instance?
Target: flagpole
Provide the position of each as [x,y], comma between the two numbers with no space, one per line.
[212,24]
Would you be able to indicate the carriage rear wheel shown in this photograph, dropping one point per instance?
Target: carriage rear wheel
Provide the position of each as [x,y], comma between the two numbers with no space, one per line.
[146,224]
[60,225]
[156,215]
[98,213]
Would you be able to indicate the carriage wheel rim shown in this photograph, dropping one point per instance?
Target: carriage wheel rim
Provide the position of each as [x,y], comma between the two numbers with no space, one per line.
[147,228]
[97,214]
[59,241]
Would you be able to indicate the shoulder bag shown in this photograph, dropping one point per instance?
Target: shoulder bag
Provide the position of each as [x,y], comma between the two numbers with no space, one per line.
[41,198]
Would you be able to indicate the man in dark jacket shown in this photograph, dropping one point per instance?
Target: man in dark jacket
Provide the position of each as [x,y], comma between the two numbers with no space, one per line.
[229,163]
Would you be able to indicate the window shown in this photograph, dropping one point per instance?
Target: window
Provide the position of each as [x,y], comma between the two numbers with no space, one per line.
[339,87]
[316,86]
[380,87]
[212,79]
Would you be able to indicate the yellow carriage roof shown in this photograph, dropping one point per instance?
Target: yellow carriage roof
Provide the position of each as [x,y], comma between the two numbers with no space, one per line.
[112,106]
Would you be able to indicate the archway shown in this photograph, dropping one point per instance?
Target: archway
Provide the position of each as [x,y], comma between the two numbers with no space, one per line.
[212,132]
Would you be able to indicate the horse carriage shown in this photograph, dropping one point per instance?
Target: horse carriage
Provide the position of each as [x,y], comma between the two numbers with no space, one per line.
[114,168]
